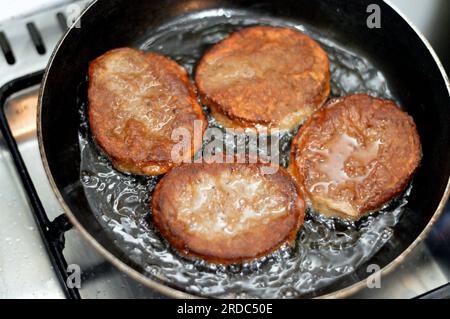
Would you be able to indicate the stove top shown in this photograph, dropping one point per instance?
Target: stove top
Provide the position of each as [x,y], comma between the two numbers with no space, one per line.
[25,266]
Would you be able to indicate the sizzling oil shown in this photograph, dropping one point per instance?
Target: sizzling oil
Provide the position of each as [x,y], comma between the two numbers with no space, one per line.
[326,249]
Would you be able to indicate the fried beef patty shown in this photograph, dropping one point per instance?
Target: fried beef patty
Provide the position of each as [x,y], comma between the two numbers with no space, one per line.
[136,100]
[227,213]
[354,155]
[269,76]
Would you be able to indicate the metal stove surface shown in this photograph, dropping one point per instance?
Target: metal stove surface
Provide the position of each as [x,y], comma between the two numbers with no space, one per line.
[25,268]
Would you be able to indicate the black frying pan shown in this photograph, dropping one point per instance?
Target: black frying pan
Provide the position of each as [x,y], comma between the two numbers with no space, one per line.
[412,73]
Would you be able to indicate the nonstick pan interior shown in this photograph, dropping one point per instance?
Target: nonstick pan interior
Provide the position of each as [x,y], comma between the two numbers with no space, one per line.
[329,255]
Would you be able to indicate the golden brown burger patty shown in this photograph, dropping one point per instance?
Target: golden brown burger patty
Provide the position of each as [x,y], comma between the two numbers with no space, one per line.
[274,77]
[355,154]
[136,100]
[227,213]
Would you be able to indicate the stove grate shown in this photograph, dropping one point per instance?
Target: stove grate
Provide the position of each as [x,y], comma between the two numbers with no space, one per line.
[52,231]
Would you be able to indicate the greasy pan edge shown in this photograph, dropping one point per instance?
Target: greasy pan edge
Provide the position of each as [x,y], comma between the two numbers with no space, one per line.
[175,293]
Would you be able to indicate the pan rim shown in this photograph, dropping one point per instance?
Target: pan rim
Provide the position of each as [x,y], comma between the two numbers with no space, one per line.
[180,294]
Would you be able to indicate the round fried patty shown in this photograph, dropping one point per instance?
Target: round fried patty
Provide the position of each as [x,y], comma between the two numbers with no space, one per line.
[136,100]
[355,154]
[227,213]
[269,76]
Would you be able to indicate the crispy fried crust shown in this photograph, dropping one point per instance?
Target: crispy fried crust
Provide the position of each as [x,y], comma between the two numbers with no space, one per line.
[136,100]
[227,213]
[274,77]
[354,155]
